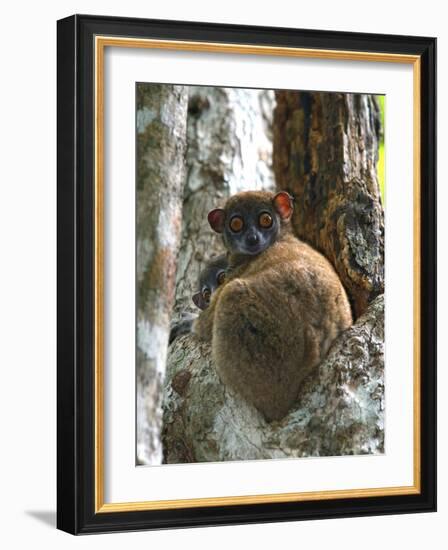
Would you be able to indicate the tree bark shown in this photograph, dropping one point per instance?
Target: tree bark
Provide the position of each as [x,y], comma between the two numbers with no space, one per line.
[161,133]
[325,154]
[229,150]
[339,410]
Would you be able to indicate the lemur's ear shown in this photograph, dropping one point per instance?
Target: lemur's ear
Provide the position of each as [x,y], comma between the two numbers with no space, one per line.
[198,300]
[283,204]
[216,219]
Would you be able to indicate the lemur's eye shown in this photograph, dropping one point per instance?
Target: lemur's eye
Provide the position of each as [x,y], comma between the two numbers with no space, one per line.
[206,294]
[265,220]
[221,277]
[236,224]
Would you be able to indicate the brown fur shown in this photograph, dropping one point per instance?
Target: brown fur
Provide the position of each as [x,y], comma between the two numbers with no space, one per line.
[274,319]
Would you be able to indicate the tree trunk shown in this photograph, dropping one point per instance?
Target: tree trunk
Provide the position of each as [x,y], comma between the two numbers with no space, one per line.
[339,410]
[229,150]
[161,133]
[325,154]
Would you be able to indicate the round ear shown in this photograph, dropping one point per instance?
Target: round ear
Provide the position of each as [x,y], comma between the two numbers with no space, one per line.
[198,300]
[283,204]
[216,219]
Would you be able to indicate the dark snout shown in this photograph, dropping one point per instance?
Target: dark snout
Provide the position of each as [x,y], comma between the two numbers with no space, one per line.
[253,243]
[252,239]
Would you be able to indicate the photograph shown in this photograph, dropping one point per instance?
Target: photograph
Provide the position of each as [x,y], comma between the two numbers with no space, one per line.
[259,273]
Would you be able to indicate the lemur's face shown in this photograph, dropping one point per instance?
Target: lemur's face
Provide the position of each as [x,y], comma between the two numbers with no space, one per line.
[250,228]
[251,221]
[210,278]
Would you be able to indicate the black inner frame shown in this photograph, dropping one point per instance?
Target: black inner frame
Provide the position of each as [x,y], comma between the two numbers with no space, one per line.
[75,295]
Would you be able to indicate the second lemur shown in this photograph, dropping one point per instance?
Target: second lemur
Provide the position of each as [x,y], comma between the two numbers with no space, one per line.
[280,308]
[210,278]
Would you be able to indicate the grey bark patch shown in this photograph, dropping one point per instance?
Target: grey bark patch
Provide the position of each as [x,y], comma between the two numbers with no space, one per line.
[144,117]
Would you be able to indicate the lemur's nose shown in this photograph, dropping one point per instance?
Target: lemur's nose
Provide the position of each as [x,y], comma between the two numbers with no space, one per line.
[252,239]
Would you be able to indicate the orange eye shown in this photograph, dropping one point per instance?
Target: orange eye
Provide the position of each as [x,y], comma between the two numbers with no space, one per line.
[206,294]
[265,220]
[236,224]
[221,277]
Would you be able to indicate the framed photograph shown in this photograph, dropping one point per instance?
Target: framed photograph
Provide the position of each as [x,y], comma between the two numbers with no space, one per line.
[246,274]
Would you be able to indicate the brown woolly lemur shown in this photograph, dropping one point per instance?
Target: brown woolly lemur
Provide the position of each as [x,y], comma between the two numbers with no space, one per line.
[212,276]
[279,309]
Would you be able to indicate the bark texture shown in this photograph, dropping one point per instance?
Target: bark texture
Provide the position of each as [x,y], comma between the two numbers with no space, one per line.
[161,143]
[325,154]
[339,410]
[229,150]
